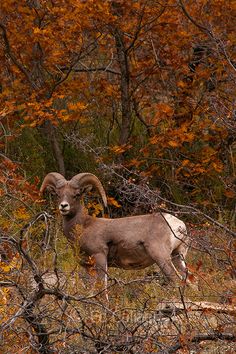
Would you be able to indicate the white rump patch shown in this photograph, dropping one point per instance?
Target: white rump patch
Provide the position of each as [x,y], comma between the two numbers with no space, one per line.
[177,228]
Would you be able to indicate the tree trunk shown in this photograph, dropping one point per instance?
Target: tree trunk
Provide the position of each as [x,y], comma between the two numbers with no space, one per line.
[124,86]
[52,136]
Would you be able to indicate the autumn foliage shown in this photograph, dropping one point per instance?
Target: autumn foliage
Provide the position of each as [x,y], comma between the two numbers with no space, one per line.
[141,93]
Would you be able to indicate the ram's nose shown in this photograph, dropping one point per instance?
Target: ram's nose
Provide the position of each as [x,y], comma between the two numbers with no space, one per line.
[64,207]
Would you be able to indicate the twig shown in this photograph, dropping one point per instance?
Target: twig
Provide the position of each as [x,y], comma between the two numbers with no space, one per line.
[209,33]
[199,338]
[9,52]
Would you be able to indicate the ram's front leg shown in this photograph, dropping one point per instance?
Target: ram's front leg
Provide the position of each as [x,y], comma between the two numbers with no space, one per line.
[98,273]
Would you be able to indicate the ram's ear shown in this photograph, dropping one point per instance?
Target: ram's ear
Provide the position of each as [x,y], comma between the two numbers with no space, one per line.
[87,189]
[84,190]
[52,182]
[49,189]
[87,181]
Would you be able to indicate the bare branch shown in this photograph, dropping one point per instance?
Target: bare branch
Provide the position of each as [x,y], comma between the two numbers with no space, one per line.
[96,69]
[207,31]
[11,55]
[202,337]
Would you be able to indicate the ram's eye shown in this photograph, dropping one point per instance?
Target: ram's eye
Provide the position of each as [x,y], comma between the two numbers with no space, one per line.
[54,193]
[76,196]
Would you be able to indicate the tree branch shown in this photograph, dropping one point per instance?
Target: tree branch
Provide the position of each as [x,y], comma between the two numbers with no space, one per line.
[198,25]
[201,337]
[11,55]
[103,68]
[209,33]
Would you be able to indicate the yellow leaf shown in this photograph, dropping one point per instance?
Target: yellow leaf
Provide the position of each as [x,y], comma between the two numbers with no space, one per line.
[185,162]
[36,30]
[229,193]
[119,149]
[181,84]
[113,202]
[5,267]
[48,103]
[153,140]
[135,162]
[188,137]
[33,124]
[199,169]
[4,292]
[21,214]
[165,108]
[97,209]
[218,167]
[77,106]
[173,143]
[65,117]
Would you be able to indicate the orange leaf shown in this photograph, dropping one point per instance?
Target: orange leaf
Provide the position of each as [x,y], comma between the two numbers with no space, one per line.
[173,143]
[113,202]
[229,193]
[185,162]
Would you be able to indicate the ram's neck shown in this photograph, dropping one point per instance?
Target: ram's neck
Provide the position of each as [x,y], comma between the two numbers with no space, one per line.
[73,223]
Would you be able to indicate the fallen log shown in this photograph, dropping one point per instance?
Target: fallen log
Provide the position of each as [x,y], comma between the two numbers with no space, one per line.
[177,307]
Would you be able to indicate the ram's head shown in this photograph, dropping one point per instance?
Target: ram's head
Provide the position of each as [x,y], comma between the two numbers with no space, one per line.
[70,192]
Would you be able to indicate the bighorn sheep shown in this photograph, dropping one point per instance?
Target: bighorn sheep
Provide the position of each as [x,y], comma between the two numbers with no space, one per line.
[133,242]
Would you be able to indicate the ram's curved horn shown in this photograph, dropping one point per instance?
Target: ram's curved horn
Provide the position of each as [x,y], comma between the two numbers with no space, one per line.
[86,179]
[53,180]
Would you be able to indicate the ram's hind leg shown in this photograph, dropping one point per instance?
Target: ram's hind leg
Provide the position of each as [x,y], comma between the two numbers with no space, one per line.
[168,269]
[162,257]
[178,259]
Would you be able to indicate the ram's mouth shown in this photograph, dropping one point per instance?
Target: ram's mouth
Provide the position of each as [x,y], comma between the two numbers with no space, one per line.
[64,211]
